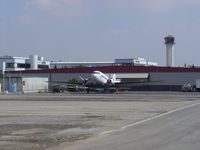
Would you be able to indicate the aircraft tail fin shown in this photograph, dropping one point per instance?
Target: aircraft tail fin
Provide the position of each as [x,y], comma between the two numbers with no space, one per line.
[115,80]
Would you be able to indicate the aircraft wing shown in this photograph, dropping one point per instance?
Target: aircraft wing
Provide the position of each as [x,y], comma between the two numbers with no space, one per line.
[135,83]
[66,83]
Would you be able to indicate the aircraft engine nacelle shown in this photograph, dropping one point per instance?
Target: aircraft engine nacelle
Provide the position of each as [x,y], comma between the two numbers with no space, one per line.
[83,80]
[109,81]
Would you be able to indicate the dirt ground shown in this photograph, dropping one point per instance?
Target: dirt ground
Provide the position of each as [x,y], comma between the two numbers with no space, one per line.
[48,121]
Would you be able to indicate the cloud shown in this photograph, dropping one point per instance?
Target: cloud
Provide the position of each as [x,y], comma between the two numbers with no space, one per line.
[2,23]
[59,7]
[117,34]
[87,7]
[27,19]
[150,5]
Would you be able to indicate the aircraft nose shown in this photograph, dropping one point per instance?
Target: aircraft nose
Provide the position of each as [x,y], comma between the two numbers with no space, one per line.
[94,76]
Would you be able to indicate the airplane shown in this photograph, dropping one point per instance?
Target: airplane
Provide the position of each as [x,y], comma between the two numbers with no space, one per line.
[97,81]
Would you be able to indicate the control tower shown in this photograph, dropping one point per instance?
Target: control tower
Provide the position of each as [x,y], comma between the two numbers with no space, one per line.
[169,41]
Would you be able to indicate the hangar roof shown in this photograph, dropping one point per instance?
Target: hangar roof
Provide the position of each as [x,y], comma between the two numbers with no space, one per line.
[113,69]
[132,75]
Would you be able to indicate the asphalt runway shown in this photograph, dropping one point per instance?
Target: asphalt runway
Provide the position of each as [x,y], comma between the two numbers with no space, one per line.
[176,130]
[46,121]
[119,96]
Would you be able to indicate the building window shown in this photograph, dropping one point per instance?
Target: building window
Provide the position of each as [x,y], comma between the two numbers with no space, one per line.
[10,65]
[23,65]
[43,67]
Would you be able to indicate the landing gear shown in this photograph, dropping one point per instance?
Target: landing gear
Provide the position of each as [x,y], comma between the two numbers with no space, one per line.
[88,91]
[112,90]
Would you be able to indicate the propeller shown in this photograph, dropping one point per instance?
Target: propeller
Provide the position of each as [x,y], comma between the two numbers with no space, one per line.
[84,80]
[109,81]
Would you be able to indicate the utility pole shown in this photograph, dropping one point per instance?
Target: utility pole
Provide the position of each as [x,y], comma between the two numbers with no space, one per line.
[3,72]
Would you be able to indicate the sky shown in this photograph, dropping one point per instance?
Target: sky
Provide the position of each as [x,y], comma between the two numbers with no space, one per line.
[100,30]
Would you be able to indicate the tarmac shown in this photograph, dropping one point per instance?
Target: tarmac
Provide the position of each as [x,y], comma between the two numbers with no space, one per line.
[46,121]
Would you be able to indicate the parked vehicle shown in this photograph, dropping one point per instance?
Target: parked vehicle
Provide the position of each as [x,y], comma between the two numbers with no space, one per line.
[186,88]
[58,89]
[198,85]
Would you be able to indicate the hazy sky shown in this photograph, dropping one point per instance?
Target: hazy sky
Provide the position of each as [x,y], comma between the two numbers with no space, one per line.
[100,30]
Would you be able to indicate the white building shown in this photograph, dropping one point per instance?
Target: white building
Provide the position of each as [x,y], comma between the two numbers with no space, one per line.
[25,84]
[54,65]
[135,62]
[117,62]
[33,62]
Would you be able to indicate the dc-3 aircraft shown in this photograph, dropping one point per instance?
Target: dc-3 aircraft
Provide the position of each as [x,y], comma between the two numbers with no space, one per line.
[97,81]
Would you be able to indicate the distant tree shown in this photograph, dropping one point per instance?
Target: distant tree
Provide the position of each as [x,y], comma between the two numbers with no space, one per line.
[193,66]
[79,66]
[1,73]
[73,80]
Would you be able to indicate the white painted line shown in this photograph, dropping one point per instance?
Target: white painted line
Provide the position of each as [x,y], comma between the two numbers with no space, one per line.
[152,118]
[107,132]
[158,116]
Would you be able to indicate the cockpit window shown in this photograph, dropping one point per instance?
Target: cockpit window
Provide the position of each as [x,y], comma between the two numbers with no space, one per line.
[97,72]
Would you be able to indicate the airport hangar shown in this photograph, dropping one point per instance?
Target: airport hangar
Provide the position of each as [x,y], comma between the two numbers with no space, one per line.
[158,78]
